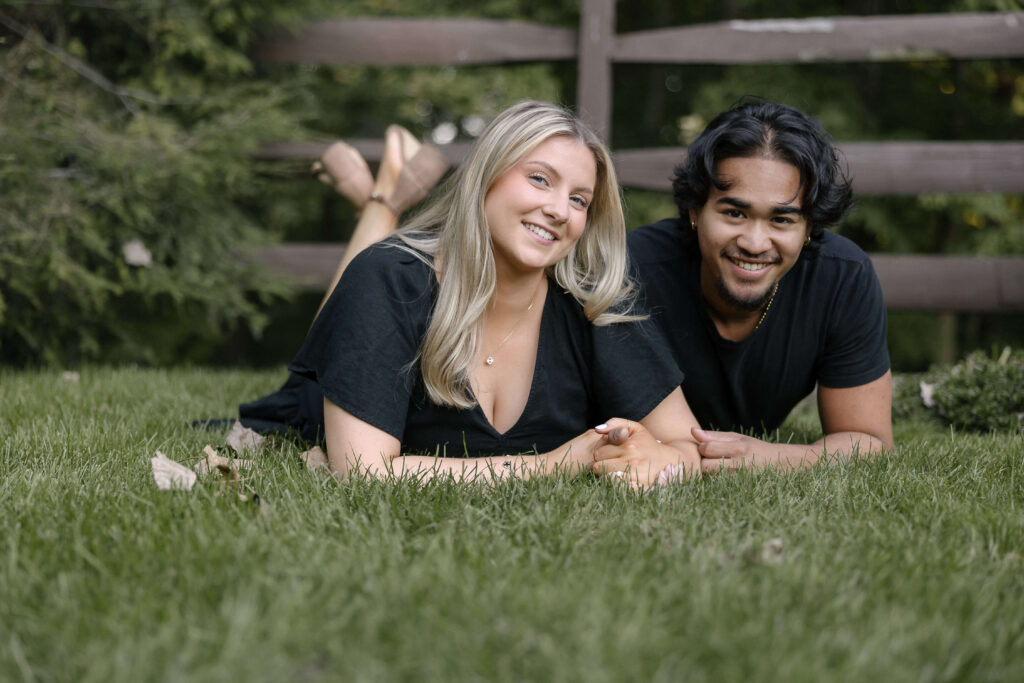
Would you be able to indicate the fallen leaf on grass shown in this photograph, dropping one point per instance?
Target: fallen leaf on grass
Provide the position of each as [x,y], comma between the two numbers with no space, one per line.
[772,551]
[214,460]
[230,481]
[315,458]
[171,475]
[241,438]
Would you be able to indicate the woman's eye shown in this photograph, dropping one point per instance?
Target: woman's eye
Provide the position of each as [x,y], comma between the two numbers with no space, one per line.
[538,178]
[580,201]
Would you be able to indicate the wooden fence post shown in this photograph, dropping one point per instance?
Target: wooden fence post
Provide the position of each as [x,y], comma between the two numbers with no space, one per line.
[594,86]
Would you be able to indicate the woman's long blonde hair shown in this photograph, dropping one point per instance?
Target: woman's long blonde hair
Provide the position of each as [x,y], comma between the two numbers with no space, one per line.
[452,232]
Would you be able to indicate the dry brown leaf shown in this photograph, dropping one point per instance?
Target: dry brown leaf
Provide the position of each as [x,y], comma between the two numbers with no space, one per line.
[772,551]
[315,458]
[171,475]
[240,438]
[230,481]
[214,460]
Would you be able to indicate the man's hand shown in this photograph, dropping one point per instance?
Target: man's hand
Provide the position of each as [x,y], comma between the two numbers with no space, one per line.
[633,453]
[729,451]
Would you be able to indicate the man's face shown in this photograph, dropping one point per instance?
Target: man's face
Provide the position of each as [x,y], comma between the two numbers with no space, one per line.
[750,234]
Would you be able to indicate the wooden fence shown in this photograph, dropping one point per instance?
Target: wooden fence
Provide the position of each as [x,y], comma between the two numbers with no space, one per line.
[932,283]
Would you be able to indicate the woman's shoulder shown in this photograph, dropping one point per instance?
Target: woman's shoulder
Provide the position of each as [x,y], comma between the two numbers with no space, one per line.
[393,264]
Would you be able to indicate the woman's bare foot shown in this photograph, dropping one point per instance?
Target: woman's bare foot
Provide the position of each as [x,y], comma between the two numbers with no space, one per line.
[399,146]
[408,170]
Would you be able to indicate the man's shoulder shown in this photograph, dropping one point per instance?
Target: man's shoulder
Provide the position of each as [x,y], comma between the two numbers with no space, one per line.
[838,261]
[656,242]
[841,248]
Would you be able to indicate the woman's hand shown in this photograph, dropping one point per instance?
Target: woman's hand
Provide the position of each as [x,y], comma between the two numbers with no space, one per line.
[574,456]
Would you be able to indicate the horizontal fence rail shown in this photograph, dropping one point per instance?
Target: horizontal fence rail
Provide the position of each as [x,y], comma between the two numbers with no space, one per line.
[482,41]
[951,283]
[420,42]
[861,39]
[877,168]
[909,282]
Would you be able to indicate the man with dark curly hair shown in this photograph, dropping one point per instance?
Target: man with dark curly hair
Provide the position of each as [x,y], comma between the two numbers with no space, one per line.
[759,303]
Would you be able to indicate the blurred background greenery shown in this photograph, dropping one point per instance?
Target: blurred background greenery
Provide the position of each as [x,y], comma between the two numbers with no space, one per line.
[125,122]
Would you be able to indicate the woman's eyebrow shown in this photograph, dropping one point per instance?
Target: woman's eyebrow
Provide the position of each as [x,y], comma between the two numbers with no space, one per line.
[551,169]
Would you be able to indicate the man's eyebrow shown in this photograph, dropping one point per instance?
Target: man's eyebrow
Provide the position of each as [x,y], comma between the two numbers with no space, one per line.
[776,210]
[732,201]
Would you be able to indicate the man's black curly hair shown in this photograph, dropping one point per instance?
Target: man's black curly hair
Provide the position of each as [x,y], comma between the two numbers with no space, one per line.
[775,131]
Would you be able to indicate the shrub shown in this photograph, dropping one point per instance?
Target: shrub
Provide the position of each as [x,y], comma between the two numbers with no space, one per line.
[125,168]
[982,392]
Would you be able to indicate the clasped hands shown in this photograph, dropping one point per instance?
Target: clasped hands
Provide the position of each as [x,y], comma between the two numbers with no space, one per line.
[629,451]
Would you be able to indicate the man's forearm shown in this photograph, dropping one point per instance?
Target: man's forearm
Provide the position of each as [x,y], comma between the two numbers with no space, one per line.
[840,446]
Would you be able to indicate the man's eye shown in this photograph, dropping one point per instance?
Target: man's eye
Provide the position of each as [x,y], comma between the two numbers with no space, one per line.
[734,213]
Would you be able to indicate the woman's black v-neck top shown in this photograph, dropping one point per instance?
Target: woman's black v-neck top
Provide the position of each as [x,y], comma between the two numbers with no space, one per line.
[362,351]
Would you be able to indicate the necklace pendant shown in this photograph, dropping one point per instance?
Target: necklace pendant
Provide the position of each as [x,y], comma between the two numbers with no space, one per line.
[490,360]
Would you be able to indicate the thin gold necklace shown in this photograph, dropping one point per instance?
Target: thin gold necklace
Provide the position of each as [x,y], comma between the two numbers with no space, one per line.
[490,355]
[775,291]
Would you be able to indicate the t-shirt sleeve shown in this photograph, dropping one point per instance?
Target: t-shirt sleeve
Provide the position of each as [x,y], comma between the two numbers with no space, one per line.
[856,350]
[633,370]
[362,347]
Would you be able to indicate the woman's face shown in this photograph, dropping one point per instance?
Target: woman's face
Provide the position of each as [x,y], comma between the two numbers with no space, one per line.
[537,209]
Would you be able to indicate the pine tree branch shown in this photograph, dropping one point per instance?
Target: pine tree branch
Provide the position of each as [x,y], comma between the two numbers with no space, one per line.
[126,95]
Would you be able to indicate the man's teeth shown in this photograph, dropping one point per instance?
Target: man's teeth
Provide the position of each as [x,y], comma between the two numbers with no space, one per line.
[537,230]
[751,266]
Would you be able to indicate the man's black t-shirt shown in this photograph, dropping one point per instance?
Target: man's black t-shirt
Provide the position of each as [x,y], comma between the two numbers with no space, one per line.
[362,351]
[827,325]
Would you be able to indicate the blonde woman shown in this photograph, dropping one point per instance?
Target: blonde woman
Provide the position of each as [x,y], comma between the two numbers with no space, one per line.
[495,328]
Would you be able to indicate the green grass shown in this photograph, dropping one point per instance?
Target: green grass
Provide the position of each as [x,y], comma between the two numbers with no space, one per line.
[909,568]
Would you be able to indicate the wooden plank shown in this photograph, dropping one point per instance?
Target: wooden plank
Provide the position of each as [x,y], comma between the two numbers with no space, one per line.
[310,266]
[878,168]
[913,167]
[372,150]
[922,283]
[417,42]
[879,38]
[594,89]
[951,283]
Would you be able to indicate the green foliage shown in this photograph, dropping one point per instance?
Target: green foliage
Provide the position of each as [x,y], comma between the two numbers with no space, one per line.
[130,124]
[983,392]
[906,398]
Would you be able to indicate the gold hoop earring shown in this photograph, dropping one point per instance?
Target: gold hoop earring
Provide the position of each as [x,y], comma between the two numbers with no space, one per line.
[808,240]
[693,226]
